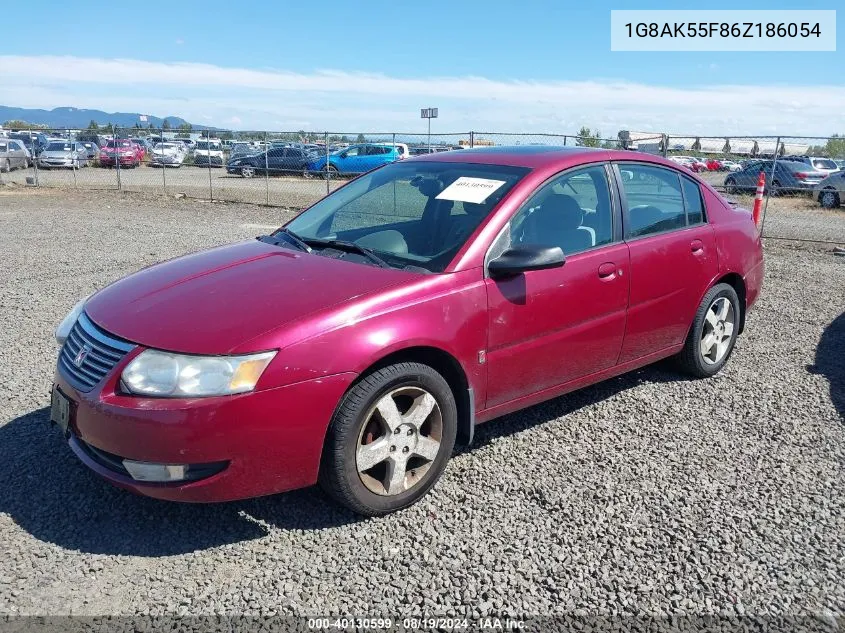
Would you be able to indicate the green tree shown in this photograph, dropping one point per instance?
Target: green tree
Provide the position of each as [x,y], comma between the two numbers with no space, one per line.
[835,147]
[360,139]
[586,138]
[165,125]
[93,126]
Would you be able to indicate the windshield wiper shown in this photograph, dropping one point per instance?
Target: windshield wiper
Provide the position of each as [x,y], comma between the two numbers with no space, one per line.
[290,238]
[350,247]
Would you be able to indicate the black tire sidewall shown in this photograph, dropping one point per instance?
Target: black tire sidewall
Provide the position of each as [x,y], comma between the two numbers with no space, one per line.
[342,439]
[716,292]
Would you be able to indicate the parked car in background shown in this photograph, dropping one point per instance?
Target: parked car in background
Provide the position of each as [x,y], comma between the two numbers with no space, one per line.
[277,161]
[144,144]
[91,149]
[35,142]
[346,347]
[731,165]
[425,149]
[789,177]
[241,148]
[819,163]
[830,192]
[713,164]
[13,155]
[402,149]
[208,153]
[690,162]
[840,163]
[356,159]
[68,154]
[122,152]
[168,155]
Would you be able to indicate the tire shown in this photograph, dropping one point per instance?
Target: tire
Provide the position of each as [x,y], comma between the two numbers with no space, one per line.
[692,358]
[308,175]
[357,422]
[774,190]
[829,199]
[330,171]
[8,166]
[730,186]
[247,171]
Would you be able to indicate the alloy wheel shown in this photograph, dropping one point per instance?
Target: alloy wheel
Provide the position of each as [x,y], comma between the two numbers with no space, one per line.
[719,325]
[399,441]
[829,199]
[247,172]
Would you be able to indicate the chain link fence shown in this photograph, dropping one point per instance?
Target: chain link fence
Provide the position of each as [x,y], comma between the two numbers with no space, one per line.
[805,175]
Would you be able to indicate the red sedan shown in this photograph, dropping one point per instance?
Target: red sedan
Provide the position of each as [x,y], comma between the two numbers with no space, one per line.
[354,346]
[125,152]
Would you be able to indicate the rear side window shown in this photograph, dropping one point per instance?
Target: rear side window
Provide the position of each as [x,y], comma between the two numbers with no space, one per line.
[655,201]
[692,201]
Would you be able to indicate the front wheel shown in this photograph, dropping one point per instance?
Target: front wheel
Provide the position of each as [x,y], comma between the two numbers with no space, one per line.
[713,333]
[8,166]
[730,186]
[829,199]
[330,171]
[247,172]
[390,439]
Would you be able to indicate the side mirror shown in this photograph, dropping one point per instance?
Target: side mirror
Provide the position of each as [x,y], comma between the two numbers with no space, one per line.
[524,258]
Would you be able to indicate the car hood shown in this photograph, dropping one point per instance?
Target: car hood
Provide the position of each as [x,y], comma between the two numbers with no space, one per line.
[56,154]
[214,301]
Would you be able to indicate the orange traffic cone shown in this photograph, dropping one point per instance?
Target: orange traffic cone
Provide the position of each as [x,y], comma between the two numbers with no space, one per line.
[758,199]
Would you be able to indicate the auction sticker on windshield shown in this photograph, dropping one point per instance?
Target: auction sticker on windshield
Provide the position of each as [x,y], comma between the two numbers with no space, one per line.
[466,189]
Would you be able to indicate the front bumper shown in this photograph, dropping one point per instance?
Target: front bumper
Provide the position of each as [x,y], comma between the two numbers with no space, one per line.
[267,441]
[124,160]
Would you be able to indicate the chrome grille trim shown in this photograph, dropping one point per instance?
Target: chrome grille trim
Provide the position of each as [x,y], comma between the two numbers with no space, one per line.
[105,351]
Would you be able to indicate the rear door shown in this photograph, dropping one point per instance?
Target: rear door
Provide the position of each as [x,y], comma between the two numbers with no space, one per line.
[673,255]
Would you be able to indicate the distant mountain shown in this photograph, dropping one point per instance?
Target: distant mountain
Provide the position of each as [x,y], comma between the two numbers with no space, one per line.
[80,118]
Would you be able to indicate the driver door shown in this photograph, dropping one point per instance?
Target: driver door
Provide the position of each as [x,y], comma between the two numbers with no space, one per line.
[549,327]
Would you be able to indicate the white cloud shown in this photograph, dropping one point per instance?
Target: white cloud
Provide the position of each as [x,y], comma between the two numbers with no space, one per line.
[349,101]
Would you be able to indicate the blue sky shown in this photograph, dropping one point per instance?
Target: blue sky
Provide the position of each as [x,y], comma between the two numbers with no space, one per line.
[530,66]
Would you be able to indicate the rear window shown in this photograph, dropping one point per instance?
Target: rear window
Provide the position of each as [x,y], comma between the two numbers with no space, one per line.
[823,163]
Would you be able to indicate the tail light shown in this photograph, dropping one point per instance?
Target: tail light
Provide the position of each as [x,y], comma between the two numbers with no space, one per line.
[800,175]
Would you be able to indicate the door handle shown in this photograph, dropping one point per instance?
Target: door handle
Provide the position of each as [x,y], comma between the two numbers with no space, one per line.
[607,271]
[696,246]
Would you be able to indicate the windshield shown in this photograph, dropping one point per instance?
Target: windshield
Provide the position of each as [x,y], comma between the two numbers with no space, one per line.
[113,144]
[414,215]
[206,145]
[164,146]
[59,147]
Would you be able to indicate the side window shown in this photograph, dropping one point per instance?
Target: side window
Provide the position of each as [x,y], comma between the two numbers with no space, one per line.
[693,202]
[655,201]
[572,211]
[352,151]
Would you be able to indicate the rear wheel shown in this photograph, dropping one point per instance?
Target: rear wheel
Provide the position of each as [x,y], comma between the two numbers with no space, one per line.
[390,439]
[247,171]
[829,199]
[330,171]
[8,166]
[730,186]
[713,333]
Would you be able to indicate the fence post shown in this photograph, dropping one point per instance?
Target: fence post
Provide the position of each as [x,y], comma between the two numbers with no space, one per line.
[564,140]
[34,159]
[328,171]
[163,165]
[115,137]
[208,145]
[471,139]
[665,145]
[266,172]
[771,183]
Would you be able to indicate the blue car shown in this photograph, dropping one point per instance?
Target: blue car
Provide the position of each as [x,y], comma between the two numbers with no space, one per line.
[356,159]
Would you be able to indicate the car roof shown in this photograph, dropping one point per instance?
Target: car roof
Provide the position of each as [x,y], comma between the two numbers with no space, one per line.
[540,156]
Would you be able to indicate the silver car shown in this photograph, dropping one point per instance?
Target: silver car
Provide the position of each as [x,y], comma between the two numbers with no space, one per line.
[831,191]
[63,154]
[13,155]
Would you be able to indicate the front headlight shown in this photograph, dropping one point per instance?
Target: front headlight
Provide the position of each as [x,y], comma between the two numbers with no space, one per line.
[156,373]
[63,331]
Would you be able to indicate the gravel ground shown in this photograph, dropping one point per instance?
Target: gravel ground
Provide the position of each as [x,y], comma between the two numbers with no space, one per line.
[649,493]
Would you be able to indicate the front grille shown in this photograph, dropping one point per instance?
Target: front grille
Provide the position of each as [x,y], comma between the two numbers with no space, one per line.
[89,354]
